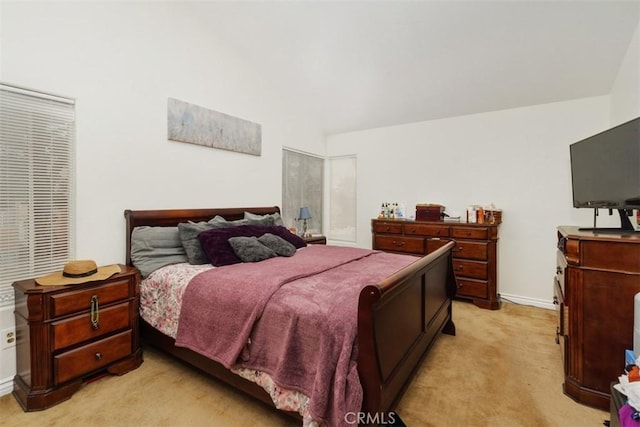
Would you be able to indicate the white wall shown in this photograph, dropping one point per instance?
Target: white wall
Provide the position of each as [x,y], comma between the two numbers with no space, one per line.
[517,159]
[625,94]
[7,350]
[121,61]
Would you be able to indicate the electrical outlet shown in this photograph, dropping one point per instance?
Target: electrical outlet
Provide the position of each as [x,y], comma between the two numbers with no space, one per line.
[8,338]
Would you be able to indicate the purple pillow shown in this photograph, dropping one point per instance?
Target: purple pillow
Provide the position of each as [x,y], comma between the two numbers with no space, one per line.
[215,242]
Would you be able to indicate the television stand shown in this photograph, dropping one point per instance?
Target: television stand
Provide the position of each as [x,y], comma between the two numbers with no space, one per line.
[625,224]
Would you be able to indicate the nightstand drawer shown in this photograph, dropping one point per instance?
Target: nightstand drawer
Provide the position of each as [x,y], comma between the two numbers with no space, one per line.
[413,245]
[79,328]
[470,250]
[80,300]
[472,288]
[480,233]
[83,360]
[470,269]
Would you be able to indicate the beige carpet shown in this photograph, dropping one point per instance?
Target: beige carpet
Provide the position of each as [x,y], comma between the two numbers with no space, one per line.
[502,369]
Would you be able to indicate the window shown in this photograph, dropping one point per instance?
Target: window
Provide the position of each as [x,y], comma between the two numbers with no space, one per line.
[302,180]
[36,184]
[342,198]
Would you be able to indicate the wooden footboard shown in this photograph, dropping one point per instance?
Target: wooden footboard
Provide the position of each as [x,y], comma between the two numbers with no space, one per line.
[398,320]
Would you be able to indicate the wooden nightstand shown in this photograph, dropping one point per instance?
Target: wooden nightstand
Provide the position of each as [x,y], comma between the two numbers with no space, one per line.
[57,346]
[316,240]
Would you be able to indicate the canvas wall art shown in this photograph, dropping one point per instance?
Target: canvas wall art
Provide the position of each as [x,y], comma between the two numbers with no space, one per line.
[198,125]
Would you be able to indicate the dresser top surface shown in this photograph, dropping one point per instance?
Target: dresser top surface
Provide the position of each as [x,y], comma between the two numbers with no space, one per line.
[31,287]
[443,223]
[574,232]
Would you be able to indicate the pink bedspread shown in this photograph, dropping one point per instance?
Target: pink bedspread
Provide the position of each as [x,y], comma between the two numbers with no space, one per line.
[294,318]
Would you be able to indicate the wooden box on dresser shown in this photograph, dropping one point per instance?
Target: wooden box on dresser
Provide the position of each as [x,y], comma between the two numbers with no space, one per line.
[57,345]
[597,277]
[475,259]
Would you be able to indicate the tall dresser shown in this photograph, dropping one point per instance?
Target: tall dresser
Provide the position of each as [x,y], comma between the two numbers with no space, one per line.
[475,259]
[597,277]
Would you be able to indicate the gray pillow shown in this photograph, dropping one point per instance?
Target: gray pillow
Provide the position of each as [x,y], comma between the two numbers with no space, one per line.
[217,220]
[189,237]
[277,244]
[249,249]
[277,219]
[266,220]
[189,234]
[155,247]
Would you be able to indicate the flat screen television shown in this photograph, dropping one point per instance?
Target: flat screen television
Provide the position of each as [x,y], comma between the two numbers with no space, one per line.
[605,172]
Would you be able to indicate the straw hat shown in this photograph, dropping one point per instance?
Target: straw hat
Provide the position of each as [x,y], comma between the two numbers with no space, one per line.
[78,271]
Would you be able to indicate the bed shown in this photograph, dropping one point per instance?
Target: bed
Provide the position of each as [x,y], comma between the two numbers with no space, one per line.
[398,317]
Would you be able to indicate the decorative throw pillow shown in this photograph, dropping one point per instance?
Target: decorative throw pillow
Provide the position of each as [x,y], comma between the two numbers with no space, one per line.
[155,247]
[214,242]
[277,219]
[249,249]
[189,238]
[277,244]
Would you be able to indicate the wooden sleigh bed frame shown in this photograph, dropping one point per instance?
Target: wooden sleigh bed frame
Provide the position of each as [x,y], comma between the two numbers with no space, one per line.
[399,318]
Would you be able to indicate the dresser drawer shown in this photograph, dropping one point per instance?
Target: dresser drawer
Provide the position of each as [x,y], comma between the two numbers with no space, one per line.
[434,244]
[427,230]
[79,328]
[387,227]
[80,300]
[83,360]
[470,269]
[466,249]
[414,245]
[472,288]
[480,233]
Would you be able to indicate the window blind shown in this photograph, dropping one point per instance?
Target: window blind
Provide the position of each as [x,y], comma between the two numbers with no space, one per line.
[37,133]
[302,186]
[342,198]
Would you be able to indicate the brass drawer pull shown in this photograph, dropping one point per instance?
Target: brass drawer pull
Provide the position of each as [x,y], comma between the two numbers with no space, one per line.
[459,249]
[98,356]
[398,244]
[95,312]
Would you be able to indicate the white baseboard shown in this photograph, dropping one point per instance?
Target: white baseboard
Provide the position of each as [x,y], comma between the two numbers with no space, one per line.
[6,386]
[516,299]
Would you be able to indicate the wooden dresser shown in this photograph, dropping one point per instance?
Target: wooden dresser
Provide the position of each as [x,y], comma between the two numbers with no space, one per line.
[475,261]
[67,334]
[597,277]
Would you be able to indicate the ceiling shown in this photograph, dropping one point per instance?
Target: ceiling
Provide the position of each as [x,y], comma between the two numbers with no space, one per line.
[365,64]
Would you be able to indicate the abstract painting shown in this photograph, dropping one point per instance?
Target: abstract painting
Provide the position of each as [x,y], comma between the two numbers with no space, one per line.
[198,125]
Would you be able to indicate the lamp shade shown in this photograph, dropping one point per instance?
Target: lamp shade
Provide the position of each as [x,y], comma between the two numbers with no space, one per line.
[304,213]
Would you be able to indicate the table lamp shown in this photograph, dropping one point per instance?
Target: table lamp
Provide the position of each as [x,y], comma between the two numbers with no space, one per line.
[304,216]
